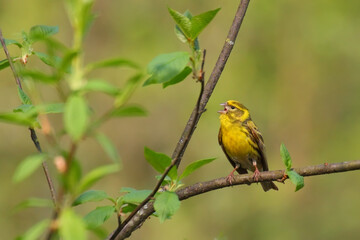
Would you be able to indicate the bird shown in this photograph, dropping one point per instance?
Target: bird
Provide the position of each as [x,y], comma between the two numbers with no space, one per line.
[242,142]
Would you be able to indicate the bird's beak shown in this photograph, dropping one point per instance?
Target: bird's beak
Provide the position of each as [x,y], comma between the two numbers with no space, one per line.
[225,108]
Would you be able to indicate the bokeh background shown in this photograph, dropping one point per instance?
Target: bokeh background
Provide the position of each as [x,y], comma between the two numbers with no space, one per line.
[295,65]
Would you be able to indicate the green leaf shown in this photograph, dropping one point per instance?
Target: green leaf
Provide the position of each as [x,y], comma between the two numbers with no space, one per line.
[34,202]
[178,78]
[73,177]
[28,166]
[115,62]
[296,179]
[19,118]
[50,108]
[129,88]
[182,21]
[134,196]
[4,64]
[166,67]
[166,204]
[71,226]
[194,166]
[129,111]
[128,208]
[23,97]
[40,32]
[38,76]
[199,22]
[108,147]
[11,41]
[76,117]
[98,216]
[52,61]
[35,231]
[160,162]
[285,155]
[192,26]
[100,86]
[95,175]
[91,196]
[24,108]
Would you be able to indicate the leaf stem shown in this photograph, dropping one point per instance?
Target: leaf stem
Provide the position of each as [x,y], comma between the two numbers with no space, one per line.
[33,135]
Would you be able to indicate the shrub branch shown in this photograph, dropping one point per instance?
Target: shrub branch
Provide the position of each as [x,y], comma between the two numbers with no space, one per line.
[33,134]
[203,187]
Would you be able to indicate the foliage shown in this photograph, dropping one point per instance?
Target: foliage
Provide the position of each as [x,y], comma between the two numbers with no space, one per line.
[70,76]
[295,178]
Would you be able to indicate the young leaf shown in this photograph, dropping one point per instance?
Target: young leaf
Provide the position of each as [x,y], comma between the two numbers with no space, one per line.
[35,231]
[50,108]
[34,202]
[108,147]
[192,26]
[199,22]
[11,41]
[4,64]
[98,216]
[165,67]
[19,118]
[24,98]
[160,162]
[129,88]
[134,196]
[24,108]
[285,155]
[40,32]
[195,165]
[71,226]
[115,62]
[76,117]
[178,78]
[52,61]
[91,196]
[38,76]
[73,176]
[182,21]
[100,86]
[296,179]
[166,204]
[95,175]
[28,166]
[129,111]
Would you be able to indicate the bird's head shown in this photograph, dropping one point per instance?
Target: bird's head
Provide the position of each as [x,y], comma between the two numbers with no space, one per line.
[234,111]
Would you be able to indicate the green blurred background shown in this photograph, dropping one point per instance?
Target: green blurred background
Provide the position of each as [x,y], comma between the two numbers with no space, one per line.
[295,65]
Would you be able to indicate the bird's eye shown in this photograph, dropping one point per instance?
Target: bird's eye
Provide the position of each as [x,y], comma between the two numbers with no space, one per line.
[232,107]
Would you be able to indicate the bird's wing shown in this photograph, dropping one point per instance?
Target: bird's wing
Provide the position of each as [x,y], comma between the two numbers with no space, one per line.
[240,170]
[260,142]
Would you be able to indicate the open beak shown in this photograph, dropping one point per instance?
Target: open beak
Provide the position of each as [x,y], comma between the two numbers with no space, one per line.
[225,108]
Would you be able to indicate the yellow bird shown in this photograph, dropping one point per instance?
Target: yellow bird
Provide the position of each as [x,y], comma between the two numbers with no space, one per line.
[242,142]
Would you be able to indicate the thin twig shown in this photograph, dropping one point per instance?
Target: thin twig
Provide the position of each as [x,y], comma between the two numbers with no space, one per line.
[33,135]
[174,162]
[203,187]
[129,225]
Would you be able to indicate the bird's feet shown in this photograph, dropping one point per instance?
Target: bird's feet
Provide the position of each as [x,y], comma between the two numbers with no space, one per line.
[256,175]
[230,178]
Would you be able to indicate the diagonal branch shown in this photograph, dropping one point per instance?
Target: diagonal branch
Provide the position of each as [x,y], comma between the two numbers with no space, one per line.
[203,187]
[33,135]
[127,227]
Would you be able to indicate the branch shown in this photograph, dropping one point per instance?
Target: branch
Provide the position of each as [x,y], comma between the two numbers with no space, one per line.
[203,187]
[33,135]
[127,227]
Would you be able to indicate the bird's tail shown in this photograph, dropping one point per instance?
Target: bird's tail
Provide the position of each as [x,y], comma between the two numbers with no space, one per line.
[268,185]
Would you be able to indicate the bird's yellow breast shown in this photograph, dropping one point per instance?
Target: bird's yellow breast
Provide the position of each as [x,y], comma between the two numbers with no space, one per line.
[236,142]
